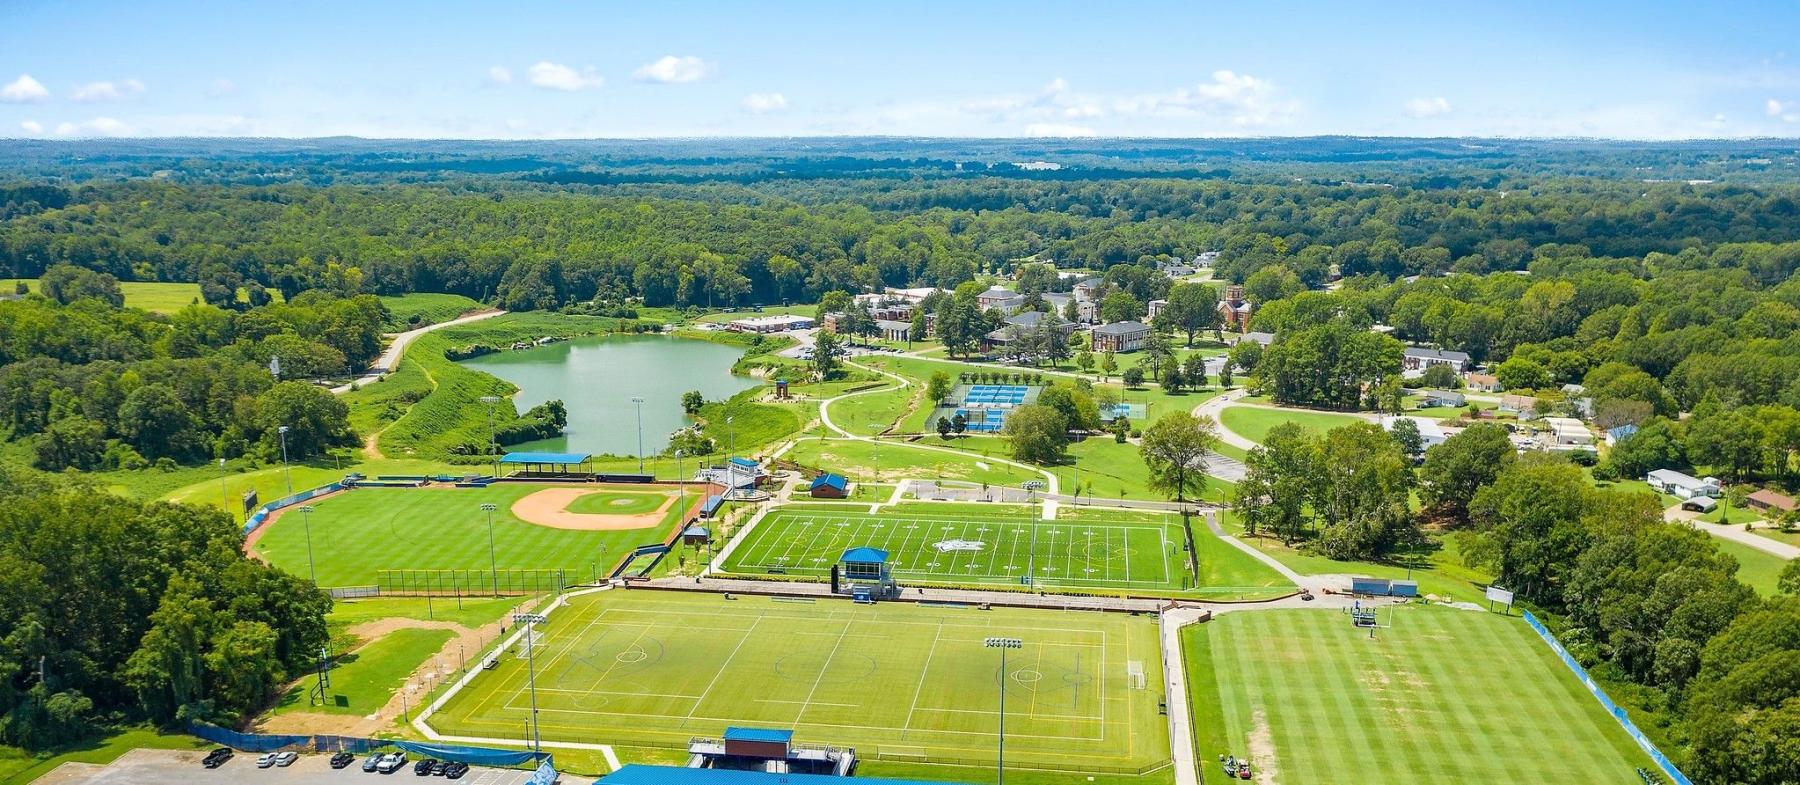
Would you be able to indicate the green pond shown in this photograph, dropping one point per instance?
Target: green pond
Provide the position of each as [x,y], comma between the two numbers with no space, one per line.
[596,378]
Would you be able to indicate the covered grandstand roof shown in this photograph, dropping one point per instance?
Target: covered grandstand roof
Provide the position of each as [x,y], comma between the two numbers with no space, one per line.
[865,554]
[758,734]
[545,457]
[642,774]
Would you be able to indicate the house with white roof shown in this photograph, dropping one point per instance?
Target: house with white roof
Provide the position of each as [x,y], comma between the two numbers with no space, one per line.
[1415,359]
[1431,433]
[1681,485]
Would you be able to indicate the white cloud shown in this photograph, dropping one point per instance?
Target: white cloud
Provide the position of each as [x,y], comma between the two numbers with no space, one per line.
[99,126]
[672,70]
[499,74]
[1784,112]
[1427,107]
[23,89]
[107,90]
[32,127]
[1058,130]
[221,87]
[556,76]
[764,103]
[1241,99]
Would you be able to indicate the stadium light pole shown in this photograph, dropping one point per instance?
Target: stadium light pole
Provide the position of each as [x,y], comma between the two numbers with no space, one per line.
[224,491]
[490,400]
[306,511]
[1002,644]
[638,403]
[289,473]
[530,620]
[493,565]
[730,440]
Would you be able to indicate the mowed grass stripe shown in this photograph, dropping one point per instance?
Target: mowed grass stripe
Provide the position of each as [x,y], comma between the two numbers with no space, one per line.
[358,533]
[1442,696]
[656,668]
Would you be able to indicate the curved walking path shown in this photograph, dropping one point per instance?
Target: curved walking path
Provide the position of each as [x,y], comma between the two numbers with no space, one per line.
[390,356]
[1051,487]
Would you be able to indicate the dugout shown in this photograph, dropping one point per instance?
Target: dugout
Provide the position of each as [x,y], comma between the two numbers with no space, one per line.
[865,574]
[547,466]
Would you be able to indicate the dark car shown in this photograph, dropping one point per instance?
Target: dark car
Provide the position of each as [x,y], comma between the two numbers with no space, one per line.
[439,768]
[217,757]
[423,767]
[341,760]
[456,770]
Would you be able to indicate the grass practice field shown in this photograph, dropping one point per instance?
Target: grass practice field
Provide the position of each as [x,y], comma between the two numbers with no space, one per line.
[1443,696]
[1254,423]
[898,681]
[981,544]
[357,533]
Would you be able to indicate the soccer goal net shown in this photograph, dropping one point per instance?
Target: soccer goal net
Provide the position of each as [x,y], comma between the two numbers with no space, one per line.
[1134,674]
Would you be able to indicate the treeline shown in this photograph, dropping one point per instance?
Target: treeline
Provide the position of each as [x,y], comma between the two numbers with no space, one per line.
[94,386]
[114,610]
[525,248]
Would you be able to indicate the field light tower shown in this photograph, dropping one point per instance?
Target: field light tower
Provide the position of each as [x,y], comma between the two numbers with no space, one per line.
[306,511]
[529,620]
[490,400]
[493,565]
[1002,644]
[288,473]
[638,403]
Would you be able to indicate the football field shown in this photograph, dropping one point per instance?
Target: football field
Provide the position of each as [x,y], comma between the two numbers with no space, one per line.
[981,546]
[1442,696]
[898,681]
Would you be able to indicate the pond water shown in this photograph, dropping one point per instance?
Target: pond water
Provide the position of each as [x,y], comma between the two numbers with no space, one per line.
[597,376]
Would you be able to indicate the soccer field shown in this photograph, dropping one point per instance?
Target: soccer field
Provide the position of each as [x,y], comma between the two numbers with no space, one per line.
[988,546]
[358,533]
[898,681]
[1442,696]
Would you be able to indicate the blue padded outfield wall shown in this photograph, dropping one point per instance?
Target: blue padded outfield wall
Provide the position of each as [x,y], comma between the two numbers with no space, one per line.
[1662,761]
[257,518]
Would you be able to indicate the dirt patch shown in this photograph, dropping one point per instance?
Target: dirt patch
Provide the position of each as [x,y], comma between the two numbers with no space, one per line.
[372,447]
[549,507]
[1262,750]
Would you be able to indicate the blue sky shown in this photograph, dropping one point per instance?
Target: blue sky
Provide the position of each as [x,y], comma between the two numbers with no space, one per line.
[555,70]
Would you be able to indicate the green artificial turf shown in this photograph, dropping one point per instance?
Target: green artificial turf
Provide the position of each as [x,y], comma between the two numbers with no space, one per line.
[358,533]
[901,682]
[894,460]
[1442,696]
[1254,423]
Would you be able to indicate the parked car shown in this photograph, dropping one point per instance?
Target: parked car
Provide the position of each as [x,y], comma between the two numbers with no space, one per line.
[286,758]
[341,760]
[393,763]
[423,767]
[266,761]
[492,663]
[374,760]
[217,757]
[439,768]
[456,770]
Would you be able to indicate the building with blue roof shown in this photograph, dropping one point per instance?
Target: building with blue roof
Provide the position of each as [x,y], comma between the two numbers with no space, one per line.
[548,464]
[830,486]
[865,574]
[643,774]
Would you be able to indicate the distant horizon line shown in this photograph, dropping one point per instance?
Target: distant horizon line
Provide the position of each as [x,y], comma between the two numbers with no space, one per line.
[910,137]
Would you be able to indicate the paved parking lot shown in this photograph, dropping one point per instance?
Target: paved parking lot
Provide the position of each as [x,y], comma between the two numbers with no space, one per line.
[167,767]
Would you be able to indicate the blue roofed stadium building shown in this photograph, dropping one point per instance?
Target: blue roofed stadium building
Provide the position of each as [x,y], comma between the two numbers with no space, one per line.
[765,750]
[640,774]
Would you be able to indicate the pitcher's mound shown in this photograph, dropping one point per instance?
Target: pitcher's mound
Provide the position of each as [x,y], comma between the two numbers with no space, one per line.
[555,507]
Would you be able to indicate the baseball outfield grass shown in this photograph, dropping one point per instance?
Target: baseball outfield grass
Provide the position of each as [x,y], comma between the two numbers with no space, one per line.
[1441,696]
[901,682]
[982,544]
[358,533]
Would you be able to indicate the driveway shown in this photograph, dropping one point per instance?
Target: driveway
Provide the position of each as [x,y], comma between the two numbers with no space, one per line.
[390,356]
[1735,533]
[1216,405]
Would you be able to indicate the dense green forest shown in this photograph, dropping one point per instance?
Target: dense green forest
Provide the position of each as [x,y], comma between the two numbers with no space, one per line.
[1659,277]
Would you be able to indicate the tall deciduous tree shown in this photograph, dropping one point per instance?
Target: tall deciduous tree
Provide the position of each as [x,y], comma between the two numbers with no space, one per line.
[1175,448]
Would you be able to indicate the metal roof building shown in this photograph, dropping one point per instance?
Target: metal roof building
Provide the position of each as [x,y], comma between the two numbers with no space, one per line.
[640,774]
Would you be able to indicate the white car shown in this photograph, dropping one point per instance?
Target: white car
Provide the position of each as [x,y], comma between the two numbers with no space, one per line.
[286,758]
[267,760]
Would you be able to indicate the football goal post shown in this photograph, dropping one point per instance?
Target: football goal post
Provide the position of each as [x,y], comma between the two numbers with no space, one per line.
[1134,674]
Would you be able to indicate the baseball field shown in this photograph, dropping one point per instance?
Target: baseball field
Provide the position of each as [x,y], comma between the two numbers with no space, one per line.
[1437,696]
[899,681]
[356,534]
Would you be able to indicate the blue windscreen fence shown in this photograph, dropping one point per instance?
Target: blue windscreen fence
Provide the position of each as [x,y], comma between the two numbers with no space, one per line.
[261,515]
[270,742]
[1618,713]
